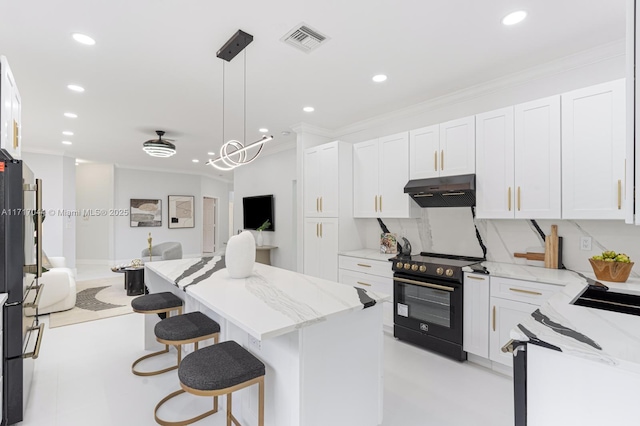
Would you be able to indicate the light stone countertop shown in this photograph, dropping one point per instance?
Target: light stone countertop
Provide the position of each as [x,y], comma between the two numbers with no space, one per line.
[368,254]
[598,335]
[269,303]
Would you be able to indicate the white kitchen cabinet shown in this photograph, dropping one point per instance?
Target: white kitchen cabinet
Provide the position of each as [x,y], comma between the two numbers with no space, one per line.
[374,275]
[445,149]
[593,152]
[458,147]
[10,111]
[321,247]
[322,179]
[475,323]
[526,140]
[380,172]
[512,301]
[424,152]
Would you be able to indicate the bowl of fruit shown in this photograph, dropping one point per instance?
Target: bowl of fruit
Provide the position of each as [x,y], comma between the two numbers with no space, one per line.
[611,266]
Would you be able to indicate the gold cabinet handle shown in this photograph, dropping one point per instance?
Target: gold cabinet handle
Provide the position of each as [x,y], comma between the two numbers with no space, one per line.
[320,229]
[517,290]
[619,194]
[509,198]
[376,203]
[317,204]
[321,204]
[364,265]
[361,283]
[518,198]
[381,203]
[442,159]
[493,319]
[475,278]
[435,160]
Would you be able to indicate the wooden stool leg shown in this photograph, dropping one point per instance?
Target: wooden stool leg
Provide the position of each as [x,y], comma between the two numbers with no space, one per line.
[261,402]
[229,405]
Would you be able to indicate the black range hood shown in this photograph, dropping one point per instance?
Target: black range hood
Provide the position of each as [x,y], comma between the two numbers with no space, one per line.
[448,191]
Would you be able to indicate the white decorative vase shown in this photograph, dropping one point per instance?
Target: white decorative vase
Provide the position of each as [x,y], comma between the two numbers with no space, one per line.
[259,240]
[240,255]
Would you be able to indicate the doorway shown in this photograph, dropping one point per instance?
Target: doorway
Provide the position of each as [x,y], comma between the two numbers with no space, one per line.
[209,214]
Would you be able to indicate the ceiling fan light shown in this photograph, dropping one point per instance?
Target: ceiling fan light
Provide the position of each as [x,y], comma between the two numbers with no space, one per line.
[159,149]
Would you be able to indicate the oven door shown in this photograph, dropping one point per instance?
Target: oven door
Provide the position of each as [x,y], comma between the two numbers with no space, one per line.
[432,307]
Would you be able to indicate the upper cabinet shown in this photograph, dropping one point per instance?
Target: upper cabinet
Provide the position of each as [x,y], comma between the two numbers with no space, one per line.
[380,172]
[593,152]
[321,179]
[445,149]
[10,111]
[525,140]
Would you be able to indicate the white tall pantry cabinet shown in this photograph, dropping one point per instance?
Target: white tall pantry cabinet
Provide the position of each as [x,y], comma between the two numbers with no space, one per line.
[328,204]
[10,111]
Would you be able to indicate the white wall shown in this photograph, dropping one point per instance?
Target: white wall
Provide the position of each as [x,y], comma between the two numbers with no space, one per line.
[271,174]
[94,192]
[58,197]
[129,183]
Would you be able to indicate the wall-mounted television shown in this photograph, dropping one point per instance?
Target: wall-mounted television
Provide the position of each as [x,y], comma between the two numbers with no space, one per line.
[255,210]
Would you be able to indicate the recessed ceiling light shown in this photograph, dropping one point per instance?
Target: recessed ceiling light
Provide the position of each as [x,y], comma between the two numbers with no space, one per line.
[67,133]
[308,109]
[285,133]
[66,142]
[211,153]
[379,78]
[70,115]
[514,17]
[263,130]
[75,88]
[83,38]
[195,160]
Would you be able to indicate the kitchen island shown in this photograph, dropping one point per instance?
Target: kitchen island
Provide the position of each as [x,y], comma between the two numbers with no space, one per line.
[574,364]
[321,341]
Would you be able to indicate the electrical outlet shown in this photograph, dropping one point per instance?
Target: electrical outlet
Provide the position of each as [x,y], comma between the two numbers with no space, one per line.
[585,243]
[254,343]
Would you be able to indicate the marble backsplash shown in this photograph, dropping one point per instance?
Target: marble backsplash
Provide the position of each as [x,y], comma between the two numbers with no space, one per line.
[452,231]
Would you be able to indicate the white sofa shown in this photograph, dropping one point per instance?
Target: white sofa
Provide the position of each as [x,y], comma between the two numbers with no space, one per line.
[59,291]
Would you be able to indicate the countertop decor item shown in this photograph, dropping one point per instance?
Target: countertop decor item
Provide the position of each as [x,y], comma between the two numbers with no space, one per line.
[388,243]
[240,255]
[553,249]
[611,266]
[259,239]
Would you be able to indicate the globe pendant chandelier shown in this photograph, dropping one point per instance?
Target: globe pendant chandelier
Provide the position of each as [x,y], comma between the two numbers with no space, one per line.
[234,153]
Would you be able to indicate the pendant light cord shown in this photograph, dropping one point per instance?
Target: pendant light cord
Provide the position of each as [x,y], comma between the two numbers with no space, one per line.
[222,101]
[244,106]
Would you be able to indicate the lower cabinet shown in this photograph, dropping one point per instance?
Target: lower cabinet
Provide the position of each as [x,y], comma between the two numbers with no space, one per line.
[475,322]
[372,275]
[321,247]
[505,315]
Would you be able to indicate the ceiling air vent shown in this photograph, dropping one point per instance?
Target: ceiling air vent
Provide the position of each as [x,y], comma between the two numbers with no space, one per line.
[304,38]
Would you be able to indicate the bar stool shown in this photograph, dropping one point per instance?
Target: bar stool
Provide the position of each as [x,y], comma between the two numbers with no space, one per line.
[156,303]
[214,371]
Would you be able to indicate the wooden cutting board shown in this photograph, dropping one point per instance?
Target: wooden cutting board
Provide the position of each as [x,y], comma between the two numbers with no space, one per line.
[551,249]
[530,256]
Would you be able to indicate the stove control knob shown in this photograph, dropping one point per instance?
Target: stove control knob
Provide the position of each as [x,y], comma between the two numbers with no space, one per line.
[414,267]
[423,268]
[449,272]
[407,266]
[399,265]
[439,271]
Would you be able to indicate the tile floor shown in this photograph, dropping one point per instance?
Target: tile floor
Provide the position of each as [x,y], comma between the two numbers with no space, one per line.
[83,377]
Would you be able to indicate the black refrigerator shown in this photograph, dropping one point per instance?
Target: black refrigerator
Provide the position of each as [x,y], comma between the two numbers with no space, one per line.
[20,268]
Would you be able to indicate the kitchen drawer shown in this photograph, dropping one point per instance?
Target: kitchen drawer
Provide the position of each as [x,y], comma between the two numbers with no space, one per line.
[372,283]
[522,291]
[381,268]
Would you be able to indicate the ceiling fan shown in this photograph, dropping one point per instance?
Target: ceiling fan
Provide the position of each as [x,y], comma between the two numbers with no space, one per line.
[159,147]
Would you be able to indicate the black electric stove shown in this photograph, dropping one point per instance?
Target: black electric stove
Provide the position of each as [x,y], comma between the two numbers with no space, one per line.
[428,298]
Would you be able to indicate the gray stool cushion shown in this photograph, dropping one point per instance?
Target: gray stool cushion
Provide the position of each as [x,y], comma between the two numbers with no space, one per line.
[219,366]
[156,301]
[185,327]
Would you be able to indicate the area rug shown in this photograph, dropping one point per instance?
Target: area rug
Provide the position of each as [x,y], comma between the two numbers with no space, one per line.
[95,299]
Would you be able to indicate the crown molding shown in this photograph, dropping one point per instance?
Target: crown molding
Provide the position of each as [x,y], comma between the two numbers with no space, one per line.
[578,60]
[303,127]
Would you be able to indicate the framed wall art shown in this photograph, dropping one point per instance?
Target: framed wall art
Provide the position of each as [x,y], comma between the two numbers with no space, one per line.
[145,212]
[181,211]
